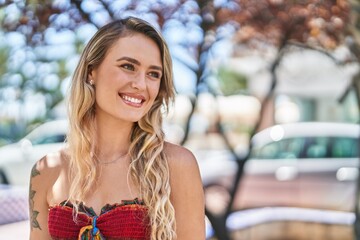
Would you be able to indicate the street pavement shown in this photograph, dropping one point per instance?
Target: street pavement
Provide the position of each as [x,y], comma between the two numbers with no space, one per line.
[16,231]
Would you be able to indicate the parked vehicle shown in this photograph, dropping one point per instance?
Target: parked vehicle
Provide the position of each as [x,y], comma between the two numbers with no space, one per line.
[308,165]
[17,159]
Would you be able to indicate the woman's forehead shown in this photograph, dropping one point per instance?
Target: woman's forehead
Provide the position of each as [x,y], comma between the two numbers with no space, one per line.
[138,46]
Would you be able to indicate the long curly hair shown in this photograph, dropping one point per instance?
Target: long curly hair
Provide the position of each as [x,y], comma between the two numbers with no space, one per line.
[148,165]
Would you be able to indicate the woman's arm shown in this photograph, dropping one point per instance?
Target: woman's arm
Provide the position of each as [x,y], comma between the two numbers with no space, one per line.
[187,194]
[38,206]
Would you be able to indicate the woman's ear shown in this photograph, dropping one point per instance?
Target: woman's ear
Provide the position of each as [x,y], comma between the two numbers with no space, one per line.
[90,78]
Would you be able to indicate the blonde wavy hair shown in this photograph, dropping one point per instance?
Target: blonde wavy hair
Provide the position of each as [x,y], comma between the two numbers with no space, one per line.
[148,166]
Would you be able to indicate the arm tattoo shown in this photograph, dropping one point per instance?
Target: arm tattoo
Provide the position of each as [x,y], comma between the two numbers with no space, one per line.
[34,171]
[33,213]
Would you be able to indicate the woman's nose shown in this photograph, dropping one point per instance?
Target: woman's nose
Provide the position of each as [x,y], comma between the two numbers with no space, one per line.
[139,81]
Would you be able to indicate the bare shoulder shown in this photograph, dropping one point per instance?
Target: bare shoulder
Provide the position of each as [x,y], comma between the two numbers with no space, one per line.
[187,194]
[179,156]
[47,171]
[50,165]
[184,169]
[42,178]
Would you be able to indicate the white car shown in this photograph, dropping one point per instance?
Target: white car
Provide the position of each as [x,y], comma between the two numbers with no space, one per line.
[307,164]
[16,160]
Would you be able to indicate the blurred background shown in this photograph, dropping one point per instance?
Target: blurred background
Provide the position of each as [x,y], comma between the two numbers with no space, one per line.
[267,99]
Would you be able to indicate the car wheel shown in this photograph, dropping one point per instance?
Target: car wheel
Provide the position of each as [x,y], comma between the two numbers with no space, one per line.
[3,178]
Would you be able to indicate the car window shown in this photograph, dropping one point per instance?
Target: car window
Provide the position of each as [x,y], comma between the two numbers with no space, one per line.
[332,147]
[316,147]
[59,138]
[345,148]
[308,147]
[284,149]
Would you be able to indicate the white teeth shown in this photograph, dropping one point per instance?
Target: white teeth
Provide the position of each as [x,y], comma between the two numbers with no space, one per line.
[131,99]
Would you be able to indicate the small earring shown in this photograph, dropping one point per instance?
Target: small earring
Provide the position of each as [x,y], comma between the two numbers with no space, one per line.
[91,82]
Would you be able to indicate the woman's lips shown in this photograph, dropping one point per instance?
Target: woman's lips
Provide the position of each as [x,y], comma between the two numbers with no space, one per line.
[132,100]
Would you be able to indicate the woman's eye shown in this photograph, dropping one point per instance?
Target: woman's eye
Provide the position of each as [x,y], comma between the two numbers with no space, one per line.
[154,74]
[128,67]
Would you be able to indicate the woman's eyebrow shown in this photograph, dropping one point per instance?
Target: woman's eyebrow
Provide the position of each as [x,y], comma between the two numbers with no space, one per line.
[134,61]
[129,59]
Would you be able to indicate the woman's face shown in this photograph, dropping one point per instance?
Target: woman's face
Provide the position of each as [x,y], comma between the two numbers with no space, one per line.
[128,80]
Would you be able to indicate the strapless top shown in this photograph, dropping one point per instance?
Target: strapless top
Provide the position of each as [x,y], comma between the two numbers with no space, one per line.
[122,221]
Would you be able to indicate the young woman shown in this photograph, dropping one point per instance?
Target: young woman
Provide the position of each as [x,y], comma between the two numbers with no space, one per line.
[117,178]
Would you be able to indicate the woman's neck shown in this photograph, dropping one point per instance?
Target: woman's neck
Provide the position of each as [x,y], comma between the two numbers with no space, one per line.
[112,138]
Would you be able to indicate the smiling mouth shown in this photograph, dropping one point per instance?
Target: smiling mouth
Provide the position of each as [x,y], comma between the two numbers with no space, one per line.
[132,100]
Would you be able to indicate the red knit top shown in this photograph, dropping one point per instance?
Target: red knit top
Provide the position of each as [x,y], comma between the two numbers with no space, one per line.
[125,221]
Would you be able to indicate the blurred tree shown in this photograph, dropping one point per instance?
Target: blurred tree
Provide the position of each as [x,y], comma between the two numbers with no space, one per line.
[286,26]
[32,73]
[316,24]
[319,25]
[231,82]
[353,41]
[4,54]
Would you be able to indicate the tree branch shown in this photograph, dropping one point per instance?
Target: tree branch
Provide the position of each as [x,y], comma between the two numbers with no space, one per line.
[85,15]
[6,3]
[321,50]
[107,8]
